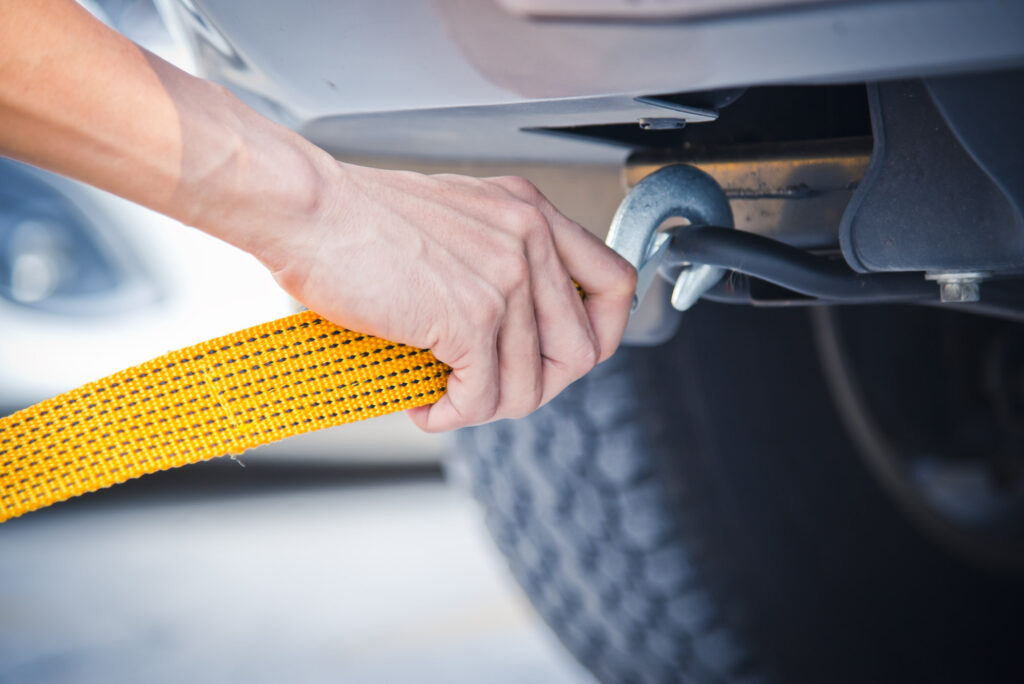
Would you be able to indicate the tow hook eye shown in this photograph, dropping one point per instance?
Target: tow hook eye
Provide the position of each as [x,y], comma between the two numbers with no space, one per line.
[678,191]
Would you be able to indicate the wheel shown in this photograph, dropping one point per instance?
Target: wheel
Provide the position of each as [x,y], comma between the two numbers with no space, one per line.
[697,512]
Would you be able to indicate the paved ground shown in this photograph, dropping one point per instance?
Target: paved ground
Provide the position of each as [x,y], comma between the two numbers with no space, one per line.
[268,574]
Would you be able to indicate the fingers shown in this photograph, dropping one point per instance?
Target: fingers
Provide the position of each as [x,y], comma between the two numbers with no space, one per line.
[542,336]
[476,270]
[472,394]
[504,382]
[608,280]
[568,343]
[520,369]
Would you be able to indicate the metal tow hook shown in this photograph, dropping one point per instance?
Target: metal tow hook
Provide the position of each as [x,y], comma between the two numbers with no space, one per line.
[678,191]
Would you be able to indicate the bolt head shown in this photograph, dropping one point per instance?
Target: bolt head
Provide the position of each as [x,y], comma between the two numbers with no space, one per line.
[661,123]
[960,291]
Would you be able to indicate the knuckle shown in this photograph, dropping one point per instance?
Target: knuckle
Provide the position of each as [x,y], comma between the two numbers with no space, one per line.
[527,219]
[520,187]
[526,402]
[481,411]
[626,275]
[517,412]
[585,356]
[577,356]
[506,242]
[630,276]
[517,271]
[489,307]
[535,398]
[487,407]
[511,273]
[475,407]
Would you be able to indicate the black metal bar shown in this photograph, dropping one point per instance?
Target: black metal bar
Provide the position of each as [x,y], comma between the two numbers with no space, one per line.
[764,272]
[739,288]
[793,268]
[1001,299]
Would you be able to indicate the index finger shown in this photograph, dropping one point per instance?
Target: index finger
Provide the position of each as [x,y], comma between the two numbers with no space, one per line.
[471,397]
[607,279]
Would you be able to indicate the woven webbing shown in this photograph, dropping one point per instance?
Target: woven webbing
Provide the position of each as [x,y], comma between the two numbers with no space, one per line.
[253,387]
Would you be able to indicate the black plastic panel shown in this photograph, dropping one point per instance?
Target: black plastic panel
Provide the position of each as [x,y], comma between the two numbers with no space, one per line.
[926,203]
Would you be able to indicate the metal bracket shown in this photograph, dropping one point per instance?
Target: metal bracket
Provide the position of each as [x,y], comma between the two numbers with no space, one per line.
[679,191]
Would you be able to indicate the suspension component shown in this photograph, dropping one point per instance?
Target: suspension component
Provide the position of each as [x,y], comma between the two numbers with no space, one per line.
[792,268]
[694,258]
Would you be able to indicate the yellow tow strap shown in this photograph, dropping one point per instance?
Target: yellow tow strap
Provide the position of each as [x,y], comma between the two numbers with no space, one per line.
[233,393]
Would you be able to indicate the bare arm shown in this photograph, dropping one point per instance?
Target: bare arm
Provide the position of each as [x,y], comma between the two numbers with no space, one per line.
[79,99]
[476,270]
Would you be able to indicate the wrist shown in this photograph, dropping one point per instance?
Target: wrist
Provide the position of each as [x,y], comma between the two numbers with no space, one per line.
[258,185]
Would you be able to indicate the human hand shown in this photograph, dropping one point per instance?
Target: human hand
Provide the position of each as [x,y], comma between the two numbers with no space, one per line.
[479,271]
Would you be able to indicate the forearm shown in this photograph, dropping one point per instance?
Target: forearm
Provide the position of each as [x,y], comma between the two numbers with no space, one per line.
[80,99]
[477,270]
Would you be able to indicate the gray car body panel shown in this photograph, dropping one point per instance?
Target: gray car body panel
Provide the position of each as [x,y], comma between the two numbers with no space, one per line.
[462,78]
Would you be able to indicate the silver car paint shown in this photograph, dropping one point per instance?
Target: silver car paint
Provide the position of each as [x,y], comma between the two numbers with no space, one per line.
[405,77]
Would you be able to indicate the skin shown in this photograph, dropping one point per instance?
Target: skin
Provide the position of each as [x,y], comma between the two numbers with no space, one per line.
[477,270]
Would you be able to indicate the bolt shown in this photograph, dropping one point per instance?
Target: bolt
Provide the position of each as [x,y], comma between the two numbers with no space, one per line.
[960,291]
[661,123]
[958,287]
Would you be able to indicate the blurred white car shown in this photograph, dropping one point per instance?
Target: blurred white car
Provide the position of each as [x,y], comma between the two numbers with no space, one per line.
[91,283]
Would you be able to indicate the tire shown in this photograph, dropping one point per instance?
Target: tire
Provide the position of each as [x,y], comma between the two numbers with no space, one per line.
[695,512]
